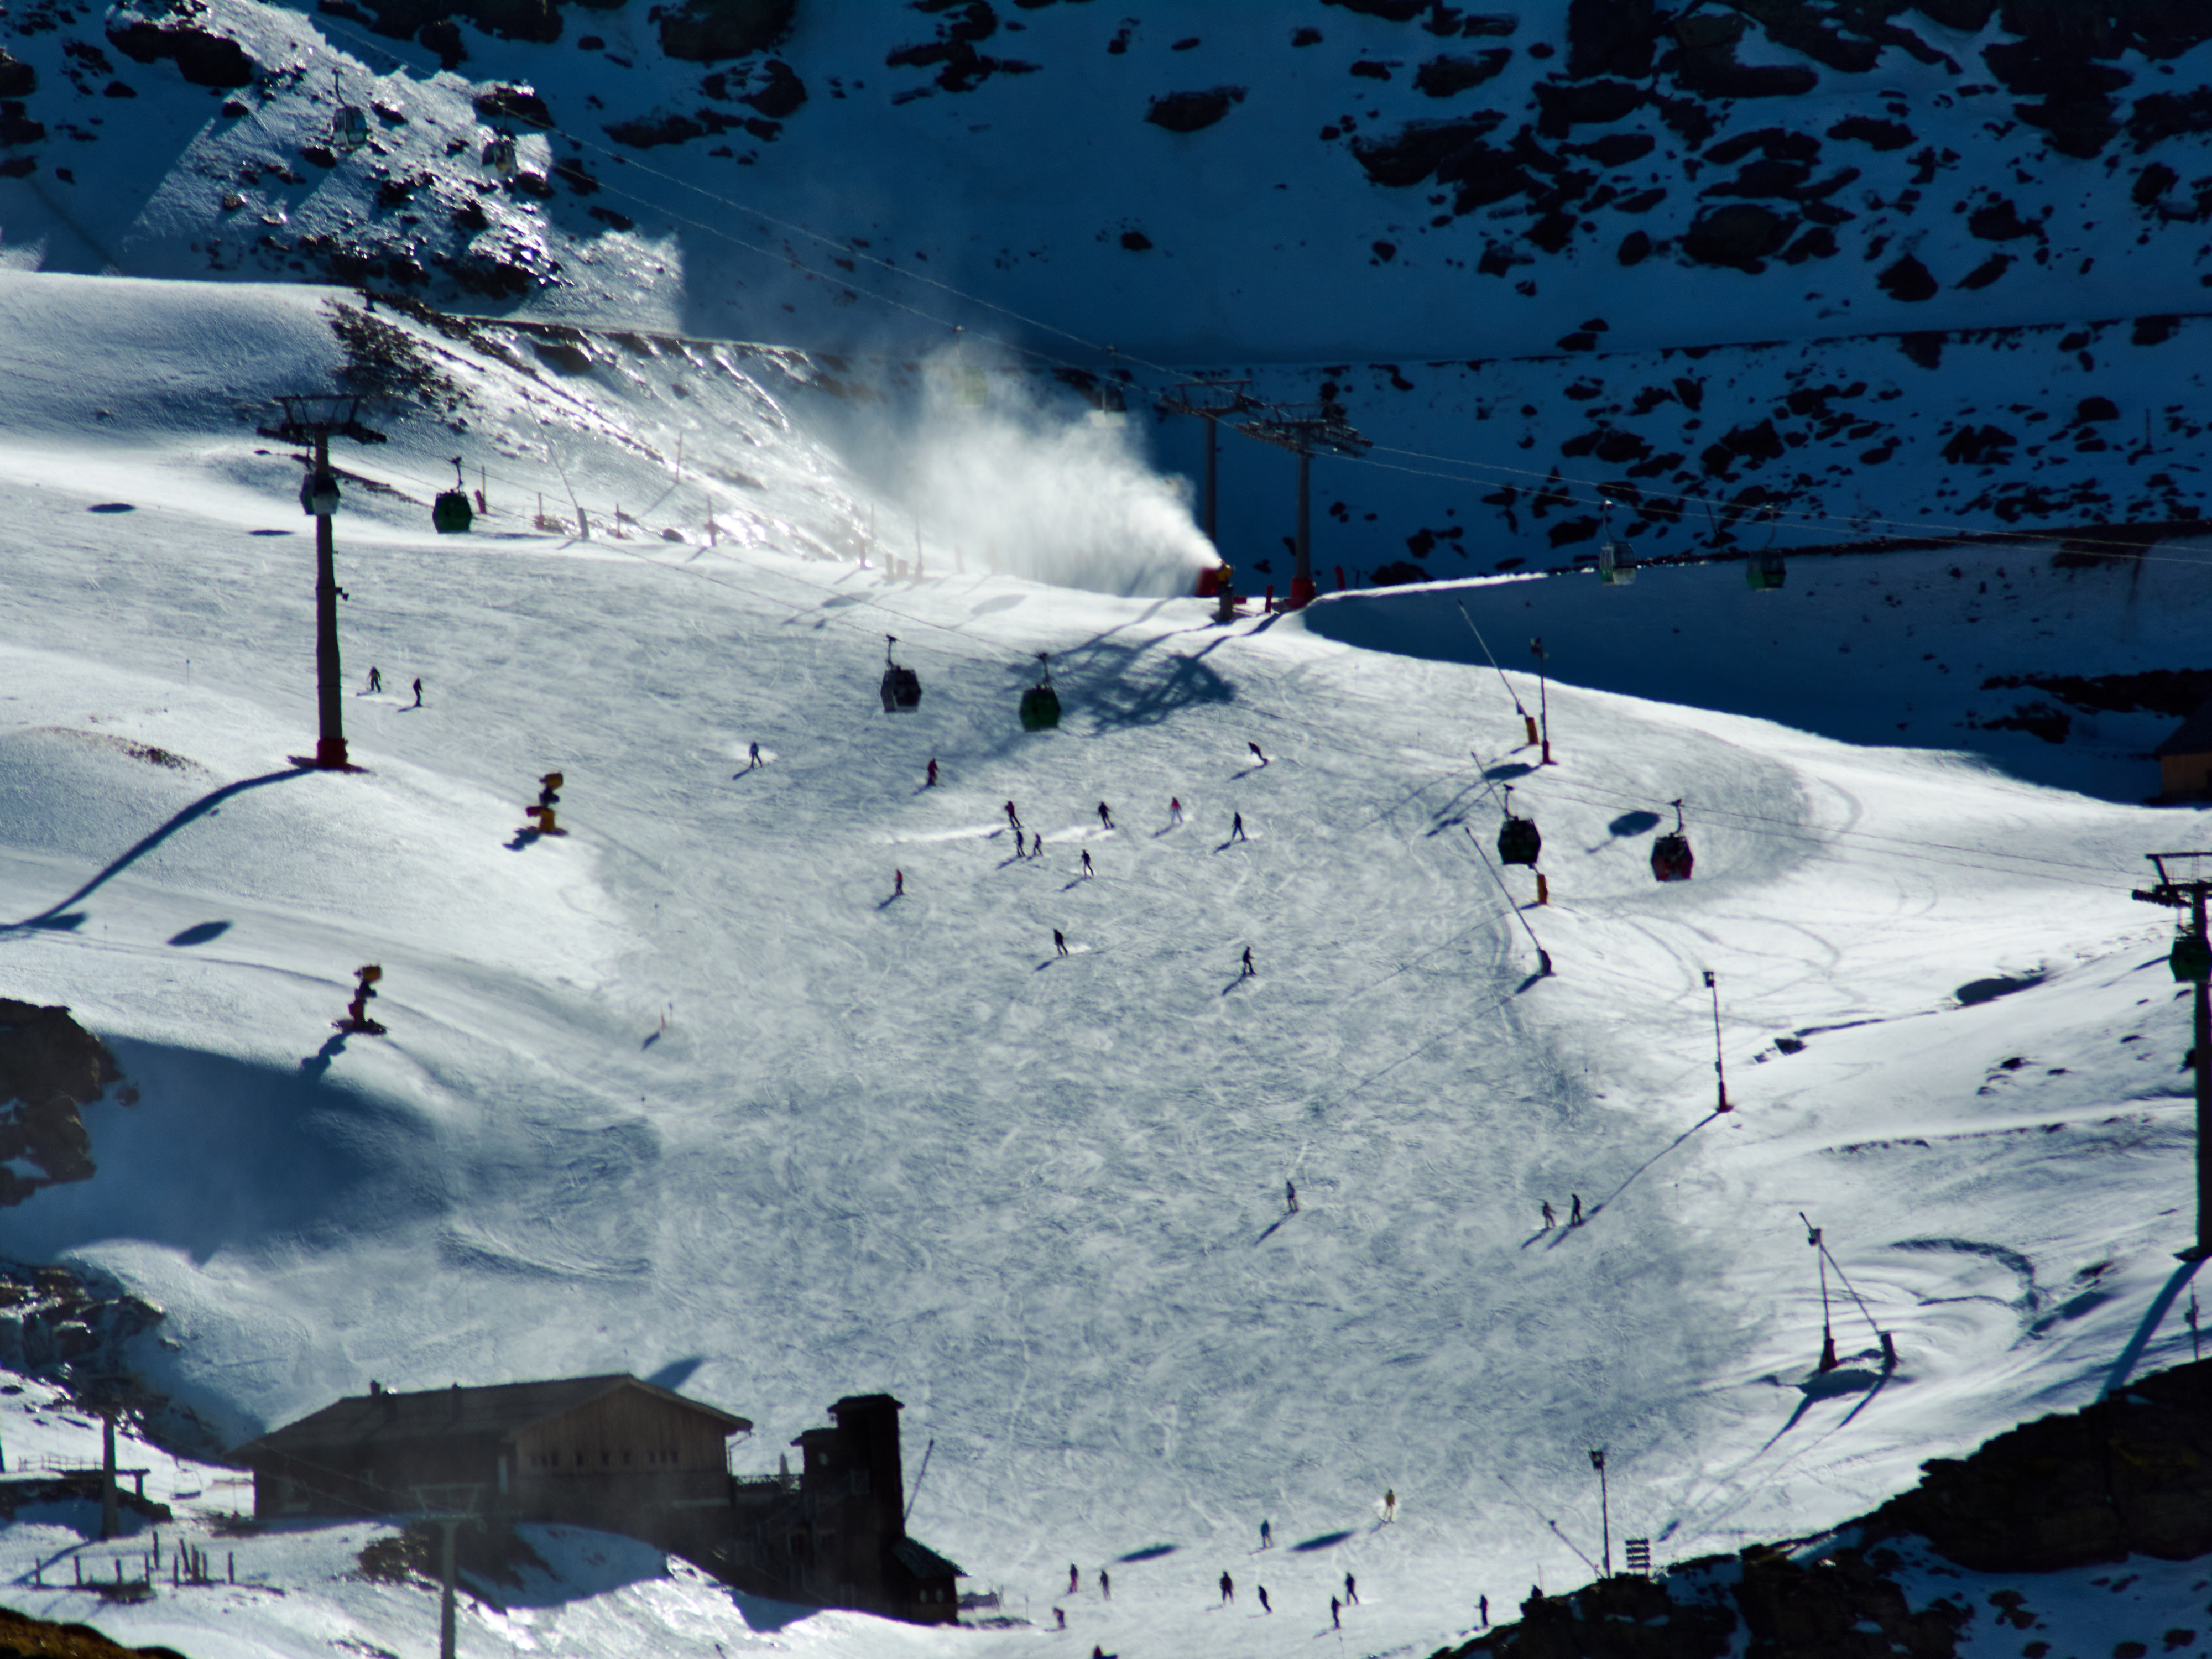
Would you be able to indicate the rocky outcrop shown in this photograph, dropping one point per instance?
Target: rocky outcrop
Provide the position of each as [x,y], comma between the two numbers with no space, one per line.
[204,58]
[50,1065]
[2131,1474]
[708,31]
[1192,111]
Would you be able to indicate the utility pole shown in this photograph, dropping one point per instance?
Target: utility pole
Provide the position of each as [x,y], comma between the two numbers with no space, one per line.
[1543,701]
[1827,1331]
[1720,1076]
[1604,1509]
[2191,961]
[1323,430]
[1212,400]
[111,1521]
[311,419]
[446,1507]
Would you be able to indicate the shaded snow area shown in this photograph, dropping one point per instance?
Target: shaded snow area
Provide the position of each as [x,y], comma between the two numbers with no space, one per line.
[1802,272]
[692,1093]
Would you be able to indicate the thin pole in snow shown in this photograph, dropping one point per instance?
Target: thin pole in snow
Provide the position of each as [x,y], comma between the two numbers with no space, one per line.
[1543,957]
[920,1476]
[1502,680]
[1720,1075]
[2195,1351]
[1604,1508]
[1543,704]
[1827,1331]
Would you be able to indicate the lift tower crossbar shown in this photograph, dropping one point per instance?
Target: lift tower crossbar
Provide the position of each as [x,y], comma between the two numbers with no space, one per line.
[313,418]
[1213,400]
[1306,429]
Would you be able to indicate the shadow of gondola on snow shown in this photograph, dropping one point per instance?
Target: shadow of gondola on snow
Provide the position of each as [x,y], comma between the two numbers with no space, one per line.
[202,933]
[1505,769]
[1328,1540]
[1149,1553]
[1831,1385]
[1632,824]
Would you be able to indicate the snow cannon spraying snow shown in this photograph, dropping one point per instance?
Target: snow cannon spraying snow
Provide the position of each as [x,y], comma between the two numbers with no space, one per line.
[364,987]
[549,797]
[902,687]
[1671,858]
[1040,703]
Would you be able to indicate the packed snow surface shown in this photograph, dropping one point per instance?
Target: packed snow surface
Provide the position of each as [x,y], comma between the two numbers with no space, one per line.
[690,1092]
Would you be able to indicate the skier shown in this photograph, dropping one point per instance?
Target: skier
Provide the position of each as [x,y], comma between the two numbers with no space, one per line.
[418,691]
[1484,1604]
[1059,941]
[1254,748]
[1105,1584]
[1060,1613]
[1174,812]
[1290,1194]
[1389,1504]
[898,883]
[1017,843]
[1351,1590]
[1550,1220]
[375,680]
[1086,863]
[1235,826]
[931,784]
[1105,815]
[1249,970]
[1228,1590]
[1575,1220]
[1266,1536]
[1264,1607]
[1013,819]
[752,755]
[1335,1613]
[1074,1579]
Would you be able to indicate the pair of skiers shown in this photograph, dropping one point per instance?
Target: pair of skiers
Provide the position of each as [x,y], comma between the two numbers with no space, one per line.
[1552,1220]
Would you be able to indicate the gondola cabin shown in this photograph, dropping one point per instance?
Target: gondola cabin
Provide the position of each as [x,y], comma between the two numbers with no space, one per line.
[902,687]
[1040,703]
[1765,572]
[1671,858]
[500,157]
[451,513]
[1518,841]
[348,128]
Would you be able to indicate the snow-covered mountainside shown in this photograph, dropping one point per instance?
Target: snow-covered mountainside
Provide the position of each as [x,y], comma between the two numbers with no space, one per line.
[1534,252]
[695,1093]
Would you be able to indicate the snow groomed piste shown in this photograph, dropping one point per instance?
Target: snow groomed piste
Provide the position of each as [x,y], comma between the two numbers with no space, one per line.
[691,1091]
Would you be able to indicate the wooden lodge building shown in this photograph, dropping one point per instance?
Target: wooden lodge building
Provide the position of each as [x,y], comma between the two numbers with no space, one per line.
[622,1455]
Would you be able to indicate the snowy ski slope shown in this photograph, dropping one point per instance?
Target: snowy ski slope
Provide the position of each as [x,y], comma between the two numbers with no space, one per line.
[898,1143]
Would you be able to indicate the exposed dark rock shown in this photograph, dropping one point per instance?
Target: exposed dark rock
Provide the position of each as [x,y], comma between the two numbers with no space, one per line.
[1616,149]
[2160,115]
[1135,240]
[1446,76]
[2097,409]
[1397,575]
[2153,182]
[1967,16]
[1764,178]
[1635,248]
[563,355]
[444,37]
[783,93]
[1979,446]
[1369,68]
[1707,62]
[1818,243]
[17,128]
[1562,106]
[118,89]
[49,1066]
[1391,11]
[1743,234]
[608,216]
[646,135]
[1986,272]
[1907,279]
[1999,220]
[1880,135]
[1419,148]
[1192,111]
[17,78]
[2154,330]
[1775,143]
[1926,348]
[203,57]
[513,104]
[1611,37]
[708,31]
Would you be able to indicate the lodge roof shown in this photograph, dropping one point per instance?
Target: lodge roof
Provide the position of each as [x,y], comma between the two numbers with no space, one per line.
[502,1410]
[2194,736]
[923,1561]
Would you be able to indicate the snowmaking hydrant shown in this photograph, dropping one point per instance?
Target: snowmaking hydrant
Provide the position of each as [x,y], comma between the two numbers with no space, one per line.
[364,987]
[549,797]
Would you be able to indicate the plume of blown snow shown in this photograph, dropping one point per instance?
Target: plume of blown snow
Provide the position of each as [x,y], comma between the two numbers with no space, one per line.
[999,477]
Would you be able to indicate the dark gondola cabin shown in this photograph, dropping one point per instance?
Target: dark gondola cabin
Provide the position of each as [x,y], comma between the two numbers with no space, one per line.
[1765,572]
[1040,703]
[1671,858]
[902,687]
[1518,841]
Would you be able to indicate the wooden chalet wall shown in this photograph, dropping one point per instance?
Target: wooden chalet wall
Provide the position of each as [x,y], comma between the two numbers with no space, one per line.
[628,1462]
